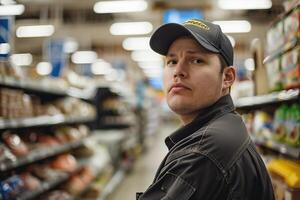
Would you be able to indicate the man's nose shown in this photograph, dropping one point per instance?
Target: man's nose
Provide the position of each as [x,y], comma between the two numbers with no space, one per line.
[180,70]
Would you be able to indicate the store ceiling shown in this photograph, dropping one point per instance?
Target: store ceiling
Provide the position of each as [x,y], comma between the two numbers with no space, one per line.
[75,18]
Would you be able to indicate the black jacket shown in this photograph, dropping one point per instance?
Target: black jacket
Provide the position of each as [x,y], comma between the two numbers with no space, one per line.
[211,158]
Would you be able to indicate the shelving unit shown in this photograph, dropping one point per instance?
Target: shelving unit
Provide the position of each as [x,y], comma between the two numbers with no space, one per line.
[282,148]
[36,86]
[43,121]
[40,154]
[46,186]
[275,97]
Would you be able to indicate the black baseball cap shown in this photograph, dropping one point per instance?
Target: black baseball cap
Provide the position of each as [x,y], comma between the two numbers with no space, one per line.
[207,34]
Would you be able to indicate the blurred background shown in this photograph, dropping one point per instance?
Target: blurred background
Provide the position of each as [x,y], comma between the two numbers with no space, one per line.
[82,109]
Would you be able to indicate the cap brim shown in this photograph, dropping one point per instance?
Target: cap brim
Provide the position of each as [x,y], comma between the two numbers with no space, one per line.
[165,35]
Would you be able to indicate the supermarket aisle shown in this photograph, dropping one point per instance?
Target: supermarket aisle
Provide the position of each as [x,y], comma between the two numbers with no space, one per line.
[142,175]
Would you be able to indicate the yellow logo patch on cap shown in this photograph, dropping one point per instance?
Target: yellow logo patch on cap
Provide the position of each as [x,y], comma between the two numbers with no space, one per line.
[197,23]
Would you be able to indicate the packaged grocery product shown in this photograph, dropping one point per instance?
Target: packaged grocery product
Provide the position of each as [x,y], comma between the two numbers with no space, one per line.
[291,27]
[262,125]
[275,33]
[274,74]
[64,162]
[280,116]
[31,183]
[15,144]
[45,140]
[293,125]
[6,155]
[290,64]
[285,178]
[12,187]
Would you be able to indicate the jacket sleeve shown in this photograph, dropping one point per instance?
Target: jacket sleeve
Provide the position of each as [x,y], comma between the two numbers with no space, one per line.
[190,177]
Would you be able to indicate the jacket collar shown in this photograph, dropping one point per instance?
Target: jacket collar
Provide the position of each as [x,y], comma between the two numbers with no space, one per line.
[220,107]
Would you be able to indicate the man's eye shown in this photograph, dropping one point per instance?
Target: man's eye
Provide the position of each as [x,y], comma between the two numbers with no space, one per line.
[171,62]
[197,61]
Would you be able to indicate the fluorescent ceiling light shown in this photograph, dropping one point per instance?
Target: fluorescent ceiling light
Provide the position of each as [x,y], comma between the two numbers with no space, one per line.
[150,65]
[120,6]
[7,2]
[4,48]
[136,43]
[101,67]
[44,68]
[244,4]
[232,40]
[84,57]
[70,46]
[8,10]
[145,56]
[249,64]
[234,26]
[22,59]
[35,31]
[131,28]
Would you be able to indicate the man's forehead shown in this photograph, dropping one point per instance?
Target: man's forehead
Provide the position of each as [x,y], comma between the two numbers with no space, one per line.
[187,43]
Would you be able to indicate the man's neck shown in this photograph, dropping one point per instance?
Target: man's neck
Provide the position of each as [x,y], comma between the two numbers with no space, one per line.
[186,119]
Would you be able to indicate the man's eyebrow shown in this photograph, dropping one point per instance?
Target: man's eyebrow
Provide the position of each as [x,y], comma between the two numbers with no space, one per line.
[188,52]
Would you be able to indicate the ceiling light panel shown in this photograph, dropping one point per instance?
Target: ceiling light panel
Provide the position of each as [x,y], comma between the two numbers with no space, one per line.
[9,10]
[35,31]
[234,26]
[131,28]
[120,6]
[244,4]
[136,43]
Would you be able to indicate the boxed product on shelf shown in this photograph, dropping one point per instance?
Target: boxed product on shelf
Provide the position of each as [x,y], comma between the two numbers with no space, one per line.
[274,74]
[287,124]
[290,64]
[262,125]
[15,143]
[31,183]
[285,176]
[6,155]
[275,33]
[64,162]
[12,187]
[291,26]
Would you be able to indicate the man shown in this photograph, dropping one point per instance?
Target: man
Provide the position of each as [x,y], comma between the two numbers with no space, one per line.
[211,156]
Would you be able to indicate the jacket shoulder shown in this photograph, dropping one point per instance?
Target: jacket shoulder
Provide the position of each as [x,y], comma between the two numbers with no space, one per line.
[224,139]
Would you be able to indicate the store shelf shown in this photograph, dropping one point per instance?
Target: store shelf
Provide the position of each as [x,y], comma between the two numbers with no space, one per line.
[46,186]
[275,97]
[112,184]
[287,46]
[279,147]
[40,154]
[38,87]
[43,188]
[42,121]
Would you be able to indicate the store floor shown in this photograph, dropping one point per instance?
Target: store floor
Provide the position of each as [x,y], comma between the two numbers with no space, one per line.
[143,173]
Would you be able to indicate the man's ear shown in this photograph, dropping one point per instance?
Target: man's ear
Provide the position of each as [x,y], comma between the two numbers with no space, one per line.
[229,75]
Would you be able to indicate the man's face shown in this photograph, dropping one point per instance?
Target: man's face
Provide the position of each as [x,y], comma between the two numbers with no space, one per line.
[192,77]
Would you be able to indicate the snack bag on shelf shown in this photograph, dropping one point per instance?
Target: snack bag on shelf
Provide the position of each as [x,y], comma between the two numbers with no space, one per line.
[274,74]
[292,125]
[262,125]
[285,176]
[12,187]
[291,69]
[275,33]
[291,26]
[280,130]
